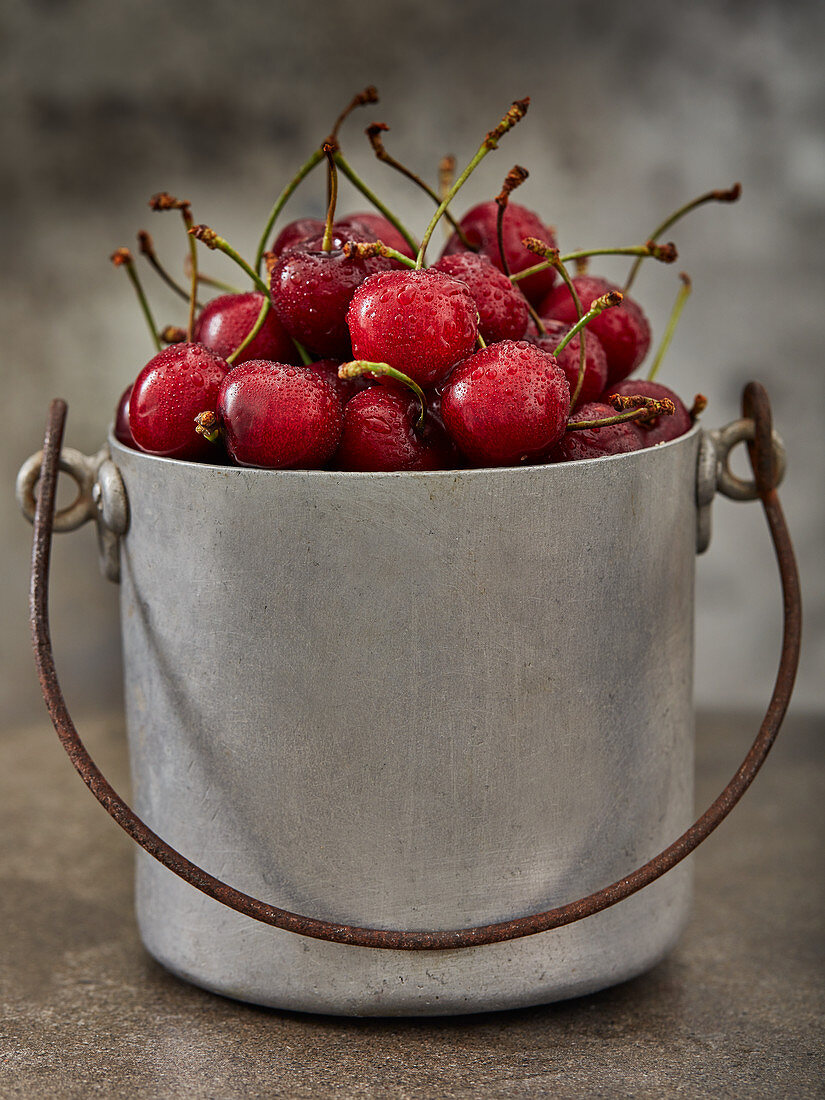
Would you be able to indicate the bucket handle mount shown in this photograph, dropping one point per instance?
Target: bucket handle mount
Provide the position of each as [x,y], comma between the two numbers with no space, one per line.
[755,409]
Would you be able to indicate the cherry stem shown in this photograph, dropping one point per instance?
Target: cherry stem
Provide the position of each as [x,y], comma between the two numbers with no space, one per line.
[173,334]
[374,132]
[147,249]
[329,151]
[122,257]
[357,182]
[514,178]
[208,280]
[375,248]
[638,408]
[729,195]
[211,239]
[673,321]
[281,202]
[700,403]
[513,116]
[207,425]
[306,358]
[446,178]
[364,366]
[480,340]
[607,301]
[369,95]
[540,248]
[164,201]
[665,253]
[253,332]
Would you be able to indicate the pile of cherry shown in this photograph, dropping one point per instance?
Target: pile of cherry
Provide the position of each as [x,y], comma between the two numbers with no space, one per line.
[355,355]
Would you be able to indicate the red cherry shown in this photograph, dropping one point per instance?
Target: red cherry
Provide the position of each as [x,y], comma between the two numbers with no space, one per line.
[344,387]
[623,330]
[311,292]
[295,233]
[420,322]
[506,404]
[173,387]
[279,415]
[595,360]
[123,433]
[662,428]
[480,227]
[375,227]
[380,434]
[502,310]
[223,324]
[613,439]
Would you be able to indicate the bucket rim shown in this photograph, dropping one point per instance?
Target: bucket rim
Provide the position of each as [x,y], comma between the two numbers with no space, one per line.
[643,455]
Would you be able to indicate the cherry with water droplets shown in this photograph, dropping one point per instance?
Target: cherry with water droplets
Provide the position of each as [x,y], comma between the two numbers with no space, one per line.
[374,227]
[624,331]
[278,415]
[506,404]
[480,228]
[380,433]
[502,310]
[595,360]
[123,433]
[169,392]
[420,322]
[224,323]
[295,233]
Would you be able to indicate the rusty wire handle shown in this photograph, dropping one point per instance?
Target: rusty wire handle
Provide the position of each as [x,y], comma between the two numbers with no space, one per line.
[755,406]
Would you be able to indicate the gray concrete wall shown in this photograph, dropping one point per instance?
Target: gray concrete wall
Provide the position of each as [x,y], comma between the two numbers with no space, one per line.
[635,109]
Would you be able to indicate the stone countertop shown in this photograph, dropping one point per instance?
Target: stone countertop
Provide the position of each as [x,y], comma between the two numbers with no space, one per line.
[736,1010]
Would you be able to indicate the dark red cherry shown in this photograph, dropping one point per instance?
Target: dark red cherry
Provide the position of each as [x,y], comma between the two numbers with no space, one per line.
[662,428]
[295,233]
[623,330]
[344,387]
[502,310]
[279,415]
[375,227]
[595,360]
[420,322]
[311,292]
[507,403]
[223,324]
[123,433]
[173,387]
[480,227]
[613,439]
[380,433]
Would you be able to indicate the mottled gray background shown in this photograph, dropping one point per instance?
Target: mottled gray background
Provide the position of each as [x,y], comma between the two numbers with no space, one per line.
[636,108]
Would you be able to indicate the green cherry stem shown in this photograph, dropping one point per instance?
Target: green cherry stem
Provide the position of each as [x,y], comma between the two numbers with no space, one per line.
[211,239]
[730,194]
[374,132]
[375,248]
[665,253]
[306,358]
[281,202]
[607,301]
[370,196]
[207,280]
[363,366]
[675,314]
[122,257]
[480,341]
[329,153]
[147,249]
[646,408]
[253,332]
[513,116]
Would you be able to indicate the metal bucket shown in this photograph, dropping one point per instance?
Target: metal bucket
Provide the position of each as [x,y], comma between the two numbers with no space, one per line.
[419,700]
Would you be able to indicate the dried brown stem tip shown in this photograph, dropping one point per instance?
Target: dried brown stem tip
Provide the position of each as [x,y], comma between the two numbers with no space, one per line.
[652,406]
[270,260]
[364,250]
[172,334]
[164,201]
[514,178]
[446,173]
[729,195]
[147,245]
[374,132]
[700,403]
[665,252]
[513,116]
[121,256]
[683,275]
[539,247]
[369,95]
[206,235]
